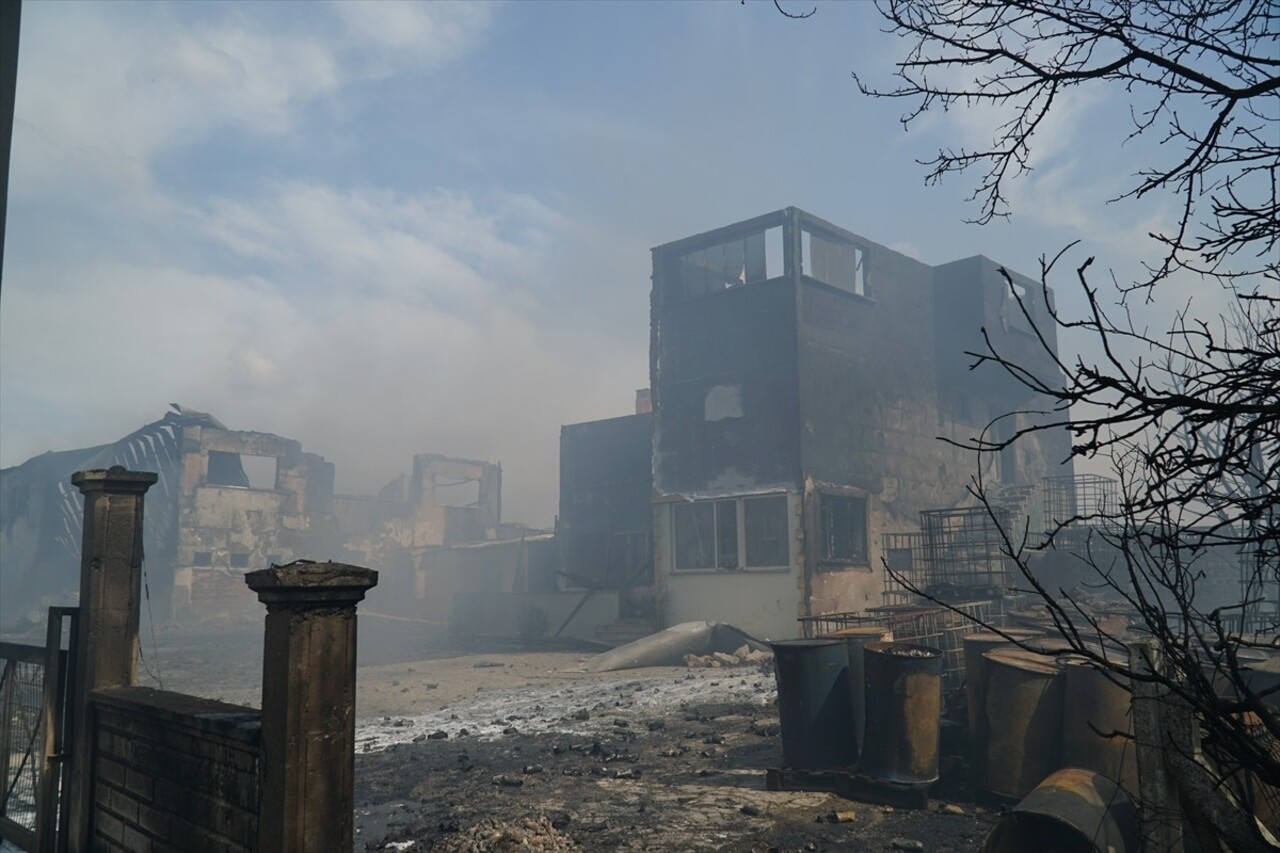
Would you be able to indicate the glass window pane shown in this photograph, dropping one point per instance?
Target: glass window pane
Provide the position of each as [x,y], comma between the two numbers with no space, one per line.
[766,528]
[695,535]
[727,534]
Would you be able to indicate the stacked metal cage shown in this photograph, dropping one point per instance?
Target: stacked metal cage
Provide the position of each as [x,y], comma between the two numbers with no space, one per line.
[904,562]
[1079,498]
[964,553]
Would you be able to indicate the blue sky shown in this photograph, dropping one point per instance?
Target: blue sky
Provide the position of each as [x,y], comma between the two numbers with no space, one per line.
[388,228]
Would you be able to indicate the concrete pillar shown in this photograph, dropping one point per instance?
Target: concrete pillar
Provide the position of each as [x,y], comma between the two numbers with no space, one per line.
[308,704]
[107,638]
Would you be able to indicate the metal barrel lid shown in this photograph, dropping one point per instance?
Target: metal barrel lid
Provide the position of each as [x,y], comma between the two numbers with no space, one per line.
[1024,660]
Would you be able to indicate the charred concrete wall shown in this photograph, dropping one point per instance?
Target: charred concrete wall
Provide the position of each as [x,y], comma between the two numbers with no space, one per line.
[605,524]
[232,520]
[723,361]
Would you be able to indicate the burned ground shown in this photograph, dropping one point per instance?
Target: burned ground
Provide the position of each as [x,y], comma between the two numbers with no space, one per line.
[621,764]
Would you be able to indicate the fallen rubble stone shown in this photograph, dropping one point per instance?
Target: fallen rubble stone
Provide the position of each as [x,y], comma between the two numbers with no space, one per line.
[907,844]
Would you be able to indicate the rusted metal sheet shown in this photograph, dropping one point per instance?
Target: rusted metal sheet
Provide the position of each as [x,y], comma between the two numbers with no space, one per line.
[1097,726]
[1023,719]
[904,712]
[1073,809]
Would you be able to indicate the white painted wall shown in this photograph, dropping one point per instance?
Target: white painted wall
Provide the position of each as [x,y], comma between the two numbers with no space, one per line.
[765,604]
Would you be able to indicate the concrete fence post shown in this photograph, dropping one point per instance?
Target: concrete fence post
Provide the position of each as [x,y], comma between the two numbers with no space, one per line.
[308,704]
[1157,791]
[110,595]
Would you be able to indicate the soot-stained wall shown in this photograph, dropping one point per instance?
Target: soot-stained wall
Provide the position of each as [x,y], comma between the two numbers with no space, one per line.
[606,484]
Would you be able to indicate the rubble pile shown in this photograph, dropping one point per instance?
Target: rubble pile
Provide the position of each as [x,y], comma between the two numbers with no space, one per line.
[493,836]
[744,655]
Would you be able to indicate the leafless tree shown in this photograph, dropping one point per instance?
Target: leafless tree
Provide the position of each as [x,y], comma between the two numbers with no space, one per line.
[1187,416]
[1203,78]
[1190,422]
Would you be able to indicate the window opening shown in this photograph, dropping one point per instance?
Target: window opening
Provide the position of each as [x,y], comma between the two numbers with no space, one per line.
[844,528]
[744,260]
[202,559]
[732,534]
[766,528]
[726,534]
[695,525]
[457,493]
[835,262]
[242,470]
[240,560]
[773,252]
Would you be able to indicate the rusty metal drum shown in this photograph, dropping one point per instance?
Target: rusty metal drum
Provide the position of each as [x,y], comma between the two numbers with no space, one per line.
[1097,725]
[975,686]
[1073,809]
[1023,720]
[856,639]
[904,712]
[814,703]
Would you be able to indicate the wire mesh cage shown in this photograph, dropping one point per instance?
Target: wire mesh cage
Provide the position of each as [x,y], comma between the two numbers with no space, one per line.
[904,562]
[964,553]
[1079,498]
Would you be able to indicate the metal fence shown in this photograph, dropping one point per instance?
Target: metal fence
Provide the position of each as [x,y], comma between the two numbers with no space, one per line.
[33,681]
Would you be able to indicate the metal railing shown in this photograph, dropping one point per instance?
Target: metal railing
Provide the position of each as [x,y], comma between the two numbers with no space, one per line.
[33,735]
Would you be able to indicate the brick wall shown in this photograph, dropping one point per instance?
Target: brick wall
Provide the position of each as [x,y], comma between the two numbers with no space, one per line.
[174,772]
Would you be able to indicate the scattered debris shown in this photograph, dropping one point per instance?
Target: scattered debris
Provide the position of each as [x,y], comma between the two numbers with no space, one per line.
[492,836]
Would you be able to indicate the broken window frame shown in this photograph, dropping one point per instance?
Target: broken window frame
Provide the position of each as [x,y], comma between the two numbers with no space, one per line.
[831,267]
[858,554]
[718,266]
[1011,313]
[733,544]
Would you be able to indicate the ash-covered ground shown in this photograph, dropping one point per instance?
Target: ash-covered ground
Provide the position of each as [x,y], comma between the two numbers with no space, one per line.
[668,760]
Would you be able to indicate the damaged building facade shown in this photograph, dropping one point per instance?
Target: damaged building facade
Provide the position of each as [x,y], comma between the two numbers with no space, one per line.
[801,379]
[232,501]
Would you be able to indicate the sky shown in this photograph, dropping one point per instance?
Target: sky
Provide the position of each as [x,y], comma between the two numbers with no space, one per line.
[386,228]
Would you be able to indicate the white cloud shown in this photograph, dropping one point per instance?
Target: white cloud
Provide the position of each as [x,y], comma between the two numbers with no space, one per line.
[104,88]
[425,34]
[378,324]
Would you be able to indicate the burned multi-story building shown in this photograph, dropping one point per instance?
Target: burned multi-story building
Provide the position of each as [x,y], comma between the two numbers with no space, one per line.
[228,502]
[802,377]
